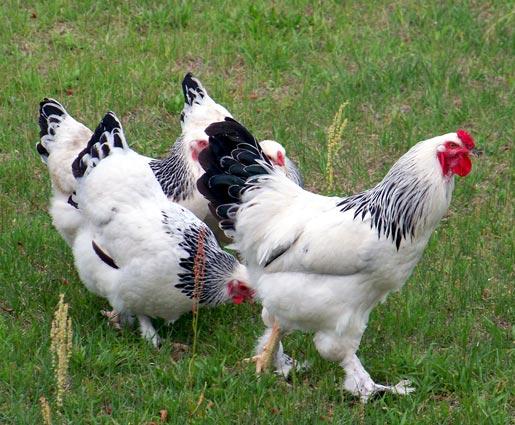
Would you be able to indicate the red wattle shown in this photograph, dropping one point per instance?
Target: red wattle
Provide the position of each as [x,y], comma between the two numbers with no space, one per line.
[463,166]
[237,299]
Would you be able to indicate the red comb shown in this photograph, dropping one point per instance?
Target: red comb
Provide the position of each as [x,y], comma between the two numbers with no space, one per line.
[466,139]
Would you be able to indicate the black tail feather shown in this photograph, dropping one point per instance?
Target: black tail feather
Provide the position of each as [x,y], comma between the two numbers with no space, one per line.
[233,156]
[43,153]
[50,111]
[107,135]
[191,88]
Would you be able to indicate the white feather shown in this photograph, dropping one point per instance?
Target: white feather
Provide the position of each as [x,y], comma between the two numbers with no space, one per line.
[123,210]
[318,267]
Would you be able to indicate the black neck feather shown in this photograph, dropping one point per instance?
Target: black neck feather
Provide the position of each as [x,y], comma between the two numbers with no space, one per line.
[395,206]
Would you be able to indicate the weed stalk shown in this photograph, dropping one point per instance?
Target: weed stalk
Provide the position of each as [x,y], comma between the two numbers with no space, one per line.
[334,137]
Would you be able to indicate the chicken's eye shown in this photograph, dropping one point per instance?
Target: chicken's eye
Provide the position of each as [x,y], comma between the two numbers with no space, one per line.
[453,145]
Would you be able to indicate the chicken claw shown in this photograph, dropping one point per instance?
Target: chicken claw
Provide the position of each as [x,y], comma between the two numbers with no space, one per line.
[263,360]
[113,318]
[117,319]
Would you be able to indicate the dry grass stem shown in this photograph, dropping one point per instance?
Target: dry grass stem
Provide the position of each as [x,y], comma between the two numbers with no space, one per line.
[61,348]
[198,271]
[45,410]
[334,137]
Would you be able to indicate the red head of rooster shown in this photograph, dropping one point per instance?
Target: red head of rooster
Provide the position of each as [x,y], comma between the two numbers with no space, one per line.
[453,154]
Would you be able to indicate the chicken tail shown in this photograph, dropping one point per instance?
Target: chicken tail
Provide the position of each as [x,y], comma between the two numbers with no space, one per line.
[248,195]
[200,109]
[107,139]
[233,157]
[51,114]
[194,93]
[192,89]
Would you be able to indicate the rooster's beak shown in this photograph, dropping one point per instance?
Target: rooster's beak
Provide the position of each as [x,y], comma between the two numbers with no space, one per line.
[476,152]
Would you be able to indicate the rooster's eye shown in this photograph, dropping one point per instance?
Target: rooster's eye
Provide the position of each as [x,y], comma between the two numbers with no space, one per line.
[453,145]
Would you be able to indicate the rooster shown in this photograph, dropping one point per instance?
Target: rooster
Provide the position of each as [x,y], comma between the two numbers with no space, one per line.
[63,137]
[322,263]
[148,256]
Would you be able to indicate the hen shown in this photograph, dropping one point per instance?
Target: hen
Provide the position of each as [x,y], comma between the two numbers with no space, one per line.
[62,138]
[322,263]
[200,110]
[276,154]
[148,256]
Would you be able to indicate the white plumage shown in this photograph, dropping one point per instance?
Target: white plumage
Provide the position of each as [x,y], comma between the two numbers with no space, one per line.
[276,154]
[62,138]
[136,248]
[322,263]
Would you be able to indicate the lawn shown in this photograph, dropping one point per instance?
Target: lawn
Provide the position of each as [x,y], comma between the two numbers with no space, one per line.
[409,70]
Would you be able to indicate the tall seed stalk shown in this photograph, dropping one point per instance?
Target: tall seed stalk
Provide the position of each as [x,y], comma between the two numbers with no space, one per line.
[198,273]
[46,411]
[334,138]
[61,348]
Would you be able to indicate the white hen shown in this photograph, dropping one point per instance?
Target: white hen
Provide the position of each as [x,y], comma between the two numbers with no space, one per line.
[200,110]
[323,263]
[148,256]
[62,137]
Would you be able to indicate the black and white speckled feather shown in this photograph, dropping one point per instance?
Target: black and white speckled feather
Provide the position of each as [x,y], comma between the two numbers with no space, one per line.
[193,92]
[218,265]
[107,136]
[199,109]
[138,249]
[234,157]
[51,115]
[395,206]
[175,173]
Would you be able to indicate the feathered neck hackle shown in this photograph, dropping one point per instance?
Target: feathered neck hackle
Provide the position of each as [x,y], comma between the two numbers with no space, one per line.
[412,198]
[175,173]
[207,269]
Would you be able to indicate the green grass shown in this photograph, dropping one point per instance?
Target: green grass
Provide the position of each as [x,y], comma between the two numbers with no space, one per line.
[409,70]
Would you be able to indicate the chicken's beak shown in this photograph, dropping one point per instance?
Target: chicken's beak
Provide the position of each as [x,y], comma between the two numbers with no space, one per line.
[476,152]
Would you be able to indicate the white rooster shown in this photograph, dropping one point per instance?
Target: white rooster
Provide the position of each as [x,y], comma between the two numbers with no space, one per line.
[323,263]
[63,137]
[148,256]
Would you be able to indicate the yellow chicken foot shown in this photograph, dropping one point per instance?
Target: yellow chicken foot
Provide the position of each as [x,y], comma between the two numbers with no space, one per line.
[263,360]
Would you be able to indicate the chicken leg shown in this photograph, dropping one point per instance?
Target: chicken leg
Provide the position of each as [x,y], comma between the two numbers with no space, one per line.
[117,319]
[263,360]
[148,331]
[358,381]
